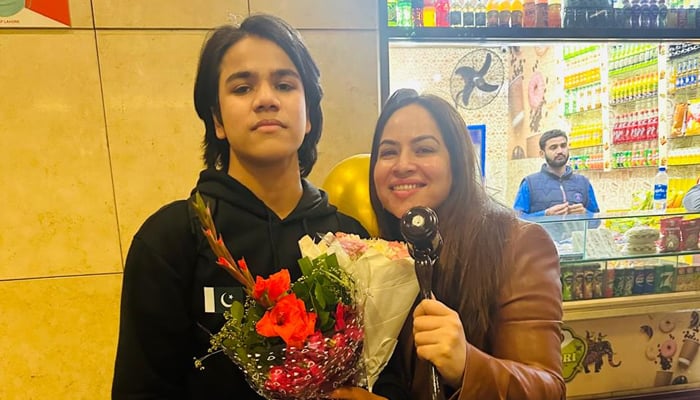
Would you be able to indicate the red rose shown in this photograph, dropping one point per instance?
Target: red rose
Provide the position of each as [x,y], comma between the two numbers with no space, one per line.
[274,286]
[289,320]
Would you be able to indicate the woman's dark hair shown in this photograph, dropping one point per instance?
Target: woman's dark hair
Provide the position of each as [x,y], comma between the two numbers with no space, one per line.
[474,227]
[206,88]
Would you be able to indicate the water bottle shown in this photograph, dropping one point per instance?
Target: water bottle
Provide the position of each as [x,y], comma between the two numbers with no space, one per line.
[660,189]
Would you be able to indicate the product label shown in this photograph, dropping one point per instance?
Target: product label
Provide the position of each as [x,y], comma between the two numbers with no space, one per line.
[455,18]
[480,19]
[660,191]
[468,18]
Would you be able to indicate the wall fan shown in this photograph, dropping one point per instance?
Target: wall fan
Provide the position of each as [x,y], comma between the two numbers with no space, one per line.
[477,79]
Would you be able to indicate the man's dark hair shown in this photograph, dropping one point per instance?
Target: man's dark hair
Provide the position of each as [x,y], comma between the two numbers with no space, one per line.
[206,88]
[551,134]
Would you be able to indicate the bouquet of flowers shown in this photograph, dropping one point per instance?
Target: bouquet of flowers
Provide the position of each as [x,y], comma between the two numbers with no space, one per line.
[292,341]
[385,287]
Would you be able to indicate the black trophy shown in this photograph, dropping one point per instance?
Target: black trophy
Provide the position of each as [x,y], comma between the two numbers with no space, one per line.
[419,227]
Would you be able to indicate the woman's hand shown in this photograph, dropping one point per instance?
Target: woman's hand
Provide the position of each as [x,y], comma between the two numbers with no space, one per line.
[354,393]
[439,338]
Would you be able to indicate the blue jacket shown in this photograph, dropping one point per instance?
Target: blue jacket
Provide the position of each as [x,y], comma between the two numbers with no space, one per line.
[544,189]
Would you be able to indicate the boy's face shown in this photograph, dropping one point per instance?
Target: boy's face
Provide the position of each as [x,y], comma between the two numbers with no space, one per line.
[262,103]
[556,152]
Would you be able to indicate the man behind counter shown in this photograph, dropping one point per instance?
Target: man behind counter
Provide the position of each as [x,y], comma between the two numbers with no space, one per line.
[555,189]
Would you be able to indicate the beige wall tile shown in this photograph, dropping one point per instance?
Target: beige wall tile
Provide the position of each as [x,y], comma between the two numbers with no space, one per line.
[80,13]
[58,337]
[328,14]
[166,13]
[154,132]
[348,64]
[58,215]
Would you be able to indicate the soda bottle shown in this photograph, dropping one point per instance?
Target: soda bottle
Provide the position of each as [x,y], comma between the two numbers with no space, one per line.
[660,189]
[654,14]
[504,14]
[442,13]
[516,14]
[429,19]
[529,14]
[645,15]
[492,13]
[403,13]
[663,12]
[469,13]
[391,12]
[456,8]
[554,14]
[417,13]
[480,14]
[541,13]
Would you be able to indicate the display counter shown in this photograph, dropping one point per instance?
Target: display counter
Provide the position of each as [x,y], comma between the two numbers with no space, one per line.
[631,284]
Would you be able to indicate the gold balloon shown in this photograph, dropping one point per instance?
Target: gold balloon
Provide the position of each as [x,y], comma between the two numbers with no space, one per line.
[347,186]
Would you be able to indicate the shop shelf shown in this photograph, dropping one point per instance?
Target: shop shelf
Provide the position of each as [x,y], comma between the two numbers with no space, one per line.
[553,34]
[630,305]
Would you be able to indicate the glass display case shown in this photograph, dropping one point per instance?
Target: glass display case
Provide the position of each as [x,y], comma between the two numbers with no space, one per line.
[619,264]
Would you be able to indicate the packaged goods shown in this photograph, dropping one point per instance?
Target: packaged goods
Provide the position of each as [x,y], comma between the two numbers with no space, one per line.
[678,122]
[692,118]
[689,234]
[670,234]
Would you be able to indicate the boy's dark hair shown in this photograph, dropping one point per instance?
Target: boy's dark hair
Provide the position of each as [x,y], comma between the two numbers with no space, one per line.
[206,88]
[551,134]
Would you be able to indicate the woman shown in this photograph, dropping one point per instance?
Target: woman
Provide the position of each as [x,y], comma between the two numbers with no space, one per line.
[257,91]
[493,328]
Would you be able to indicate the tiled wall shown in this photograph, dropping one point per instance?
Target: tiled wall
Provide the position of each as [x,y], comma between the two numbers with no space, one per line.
[98,130]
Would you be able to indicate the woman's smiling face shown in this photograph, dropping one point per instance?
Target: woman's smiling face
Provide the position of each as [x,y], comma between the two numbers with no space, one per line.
[413,164]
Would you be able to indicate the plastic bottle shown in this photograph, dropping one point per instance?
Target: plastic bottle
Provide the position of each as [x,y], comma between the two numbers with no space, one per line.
[554,14]
[516,14]
[480,14]
[660,189]
[429,18]
[645,14]
[541,13]
[663,12]
[456,9]
[504,14]
[654,14]
[417,13]
[442,13]
[391,12]
[469,13]
[636,14]
[529,14]
[492,13]
[403,13]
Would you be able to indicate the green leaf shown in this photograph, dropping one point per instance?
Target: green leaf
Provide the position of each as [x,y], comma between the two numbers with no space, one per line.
[236,311]
[319,295]
[306,266]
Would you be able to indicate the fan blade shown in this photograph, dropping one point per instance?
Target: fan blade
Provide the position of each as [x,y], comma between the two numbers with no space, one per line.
[484,86]
[486,66]
[467,92]
[467,73]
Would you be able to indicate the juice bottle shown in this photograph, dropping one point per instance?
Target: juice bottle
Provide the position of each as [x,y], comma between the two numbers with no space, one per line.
[529,14]
[469,13]
[391,12]
[442,13]
[554,14]
[417,13]
[403,13]
[480,14]
[541,13]
[504,14]
[429,19]
[456,8]
[492,13]
[516,14]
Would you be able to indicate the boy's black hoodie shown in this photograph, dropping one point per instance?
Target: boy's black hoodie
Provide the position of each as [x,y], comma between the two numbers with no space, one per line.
[170,277]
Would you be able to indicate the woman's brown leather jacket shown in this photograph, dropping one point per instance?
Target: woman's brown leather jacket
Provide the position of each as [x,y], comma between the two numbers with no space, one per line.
[522,359]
